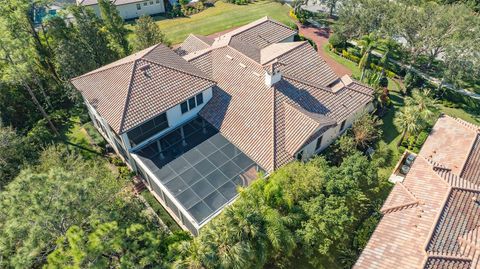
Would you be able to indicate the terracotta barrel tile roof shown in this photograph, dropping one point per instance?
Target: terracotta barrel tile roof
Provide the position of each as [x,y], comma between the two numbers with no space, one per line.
[141,86]
[442,229]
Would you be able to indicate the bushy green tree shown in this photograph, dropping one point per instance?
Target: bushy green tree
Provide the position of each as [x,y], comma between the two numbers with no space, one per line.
[42,202]
[110,246]
[366,130]
[304,210]
[148,34]
[13,153]
[114,26]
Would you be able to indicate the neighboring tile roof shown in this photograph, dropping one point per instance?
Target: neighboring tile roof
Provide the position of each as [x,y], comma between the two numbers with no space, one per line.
[261,120]
[141,86]
[194,43]
[250,39]
[432,219]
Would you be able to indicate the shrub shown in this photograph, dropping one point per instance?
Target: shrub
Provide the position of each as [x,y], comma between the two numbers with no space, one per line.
[421,138]
[350,56]
[337,40]
[302,38]
[292,14]
[377,68]
[293,25]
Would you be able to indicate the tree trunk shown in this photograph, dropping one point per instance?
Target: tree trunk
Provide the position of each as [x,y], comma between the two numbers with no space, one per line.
[404,133]
[32,94]
[43,51]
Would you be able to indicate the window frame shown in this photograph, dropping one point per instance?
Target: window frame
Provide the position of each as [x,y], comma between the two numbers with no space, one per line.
[318,145]
[342,126]
[299,156]
[191,103]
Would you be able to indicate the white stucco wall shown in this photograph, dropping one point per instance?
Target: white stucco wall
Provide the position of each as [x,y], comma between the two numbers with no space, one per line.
[130,11]
[334,132]
[176,118]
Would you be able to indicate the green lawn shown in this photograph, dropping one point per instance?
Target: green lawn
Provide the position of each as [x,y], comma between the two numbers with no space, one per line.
[391,135]
[221,17]
[347,63]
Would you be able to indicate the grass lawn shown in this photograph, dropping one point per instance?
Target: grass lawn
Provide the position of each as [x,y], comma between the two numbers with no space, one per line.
[347,63]
[391,135]
[221,17]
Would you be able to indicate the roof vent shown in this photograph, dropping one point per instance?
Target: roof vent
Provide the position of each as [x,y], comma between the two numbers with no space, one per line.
[145,69]
[242,65]
[229,57]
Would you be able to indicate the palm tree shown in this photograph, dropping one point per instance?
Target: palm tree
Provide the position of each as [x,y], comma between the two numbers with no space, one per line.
[424,104]
[367,43]
[408,121]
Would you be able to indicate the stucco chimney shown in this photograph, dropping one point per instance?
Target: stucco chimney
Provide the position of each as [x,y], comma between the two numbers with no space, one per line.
[273,74]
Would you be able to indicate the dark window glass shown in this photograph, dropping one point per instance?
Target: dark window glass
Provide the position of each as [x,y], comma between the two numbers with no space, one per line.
[300,155]
[184,107]
[191,103]
[157,1]
[144,3]
[151,2]
[319,143]
[199,98]
[148,129]
[139,7]
[343,125]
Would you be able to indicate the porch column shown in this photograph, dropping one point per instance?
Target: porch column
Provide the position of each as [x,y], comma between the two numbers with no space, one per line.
[159,146]
[184,143]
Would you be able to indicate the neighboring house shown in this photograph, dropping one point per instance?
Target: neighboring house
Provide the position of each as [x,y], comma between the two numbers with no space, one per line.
[196,127]
[129,9]
[432,218]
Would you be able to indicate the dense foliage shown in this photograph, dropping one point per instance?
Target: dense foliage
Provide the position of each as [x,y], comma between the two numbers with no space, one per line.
[303,210]
[148,34]
[440,39]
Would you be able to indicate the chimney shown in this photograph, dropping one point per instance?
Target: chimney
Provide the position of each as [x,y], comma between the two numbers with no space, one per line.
[273,73]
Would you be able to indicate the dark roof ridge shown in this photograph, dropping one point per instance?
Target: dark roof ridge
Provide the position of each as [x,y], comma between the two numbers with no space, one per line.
[101,71]
[180,70]
[311,84]
[141,55]
[127,98]
[355,90]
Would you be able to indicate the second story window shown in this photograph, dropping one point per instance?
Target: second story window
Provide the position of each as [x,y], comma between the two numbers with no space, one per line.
[319,143]
[342,126]
[147,129]
[192,103]
[139,6]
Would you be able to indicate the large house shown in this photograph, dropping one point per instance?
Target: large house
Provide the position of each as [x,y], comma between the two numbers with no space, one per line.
[129,9]
[198,122]
[431,220]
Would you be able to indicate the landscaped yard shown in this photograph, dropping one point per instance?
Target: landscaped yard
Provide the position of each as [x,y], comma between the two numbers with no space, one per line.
[391,135]
[221,17]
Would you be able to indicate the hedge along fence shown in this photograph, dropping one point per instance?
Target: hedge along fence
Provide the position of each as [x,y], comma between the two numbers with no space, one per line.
[350,56]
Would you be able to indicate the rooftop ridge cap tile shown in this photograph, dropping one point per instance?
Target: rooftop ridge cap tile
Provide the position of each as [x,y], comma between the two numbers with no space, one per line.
[400,207]
[472,148]
[309,83]
[180,70]
[298,45]
[444,201]
[127,98]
